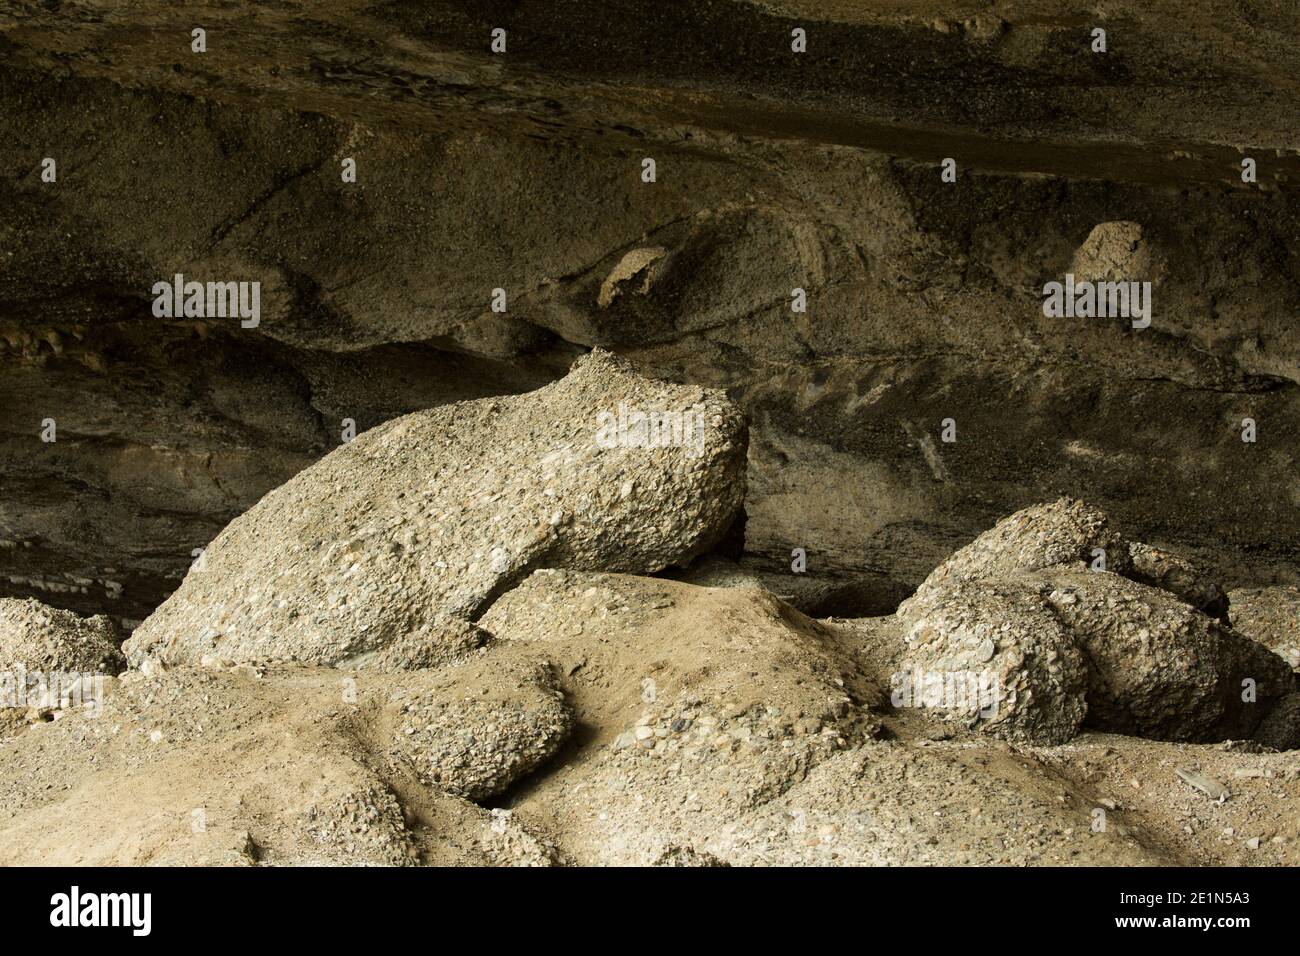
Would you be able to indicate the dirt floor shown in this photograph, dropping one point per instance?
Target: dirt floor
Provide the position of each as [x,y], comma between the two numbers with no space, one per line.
[771,742]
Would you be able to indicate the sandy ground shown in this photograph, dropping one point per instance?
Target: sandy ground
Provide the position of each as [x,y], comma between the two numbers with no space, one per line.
[708,726]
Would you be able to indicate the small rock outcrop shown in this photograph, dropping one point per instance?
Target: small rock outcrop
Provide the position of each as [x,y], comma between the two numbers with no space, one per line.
[1177,575]
[1061,532]
[416,526]
[1118,251]
[1030,609]
[1157,667]
[1270,616]
[480,727]
[992,655]
[35,637]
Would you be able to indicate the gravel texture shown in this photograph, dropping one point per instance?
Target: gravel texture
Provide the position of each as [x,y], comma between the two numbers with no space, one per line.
[1074,644]
[41,638]
[1005,632]
[1062,532]
[1270,616]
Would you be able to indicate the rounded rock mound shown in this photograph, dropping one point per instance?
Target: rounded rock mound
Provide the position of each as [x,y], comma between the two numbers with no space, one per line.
[1062,532]
[1158,667]
[992,655]
[40,638]
[417,525]
[1079,627]
[481,726]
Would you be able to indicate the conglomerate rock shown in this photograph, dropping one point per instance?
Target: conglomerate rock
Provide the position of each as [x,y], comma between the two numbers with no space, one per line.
[1159,668]
[1062,532]
[40,638]
[1270,616]
[481,726]
[818,171]
[991,654]
[675,724]
[417,525]
[1072,643]
[1181,577]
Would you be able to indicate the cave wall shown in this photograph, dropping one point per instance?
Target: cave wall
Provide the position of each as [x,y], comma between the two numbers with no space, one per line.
[523,171]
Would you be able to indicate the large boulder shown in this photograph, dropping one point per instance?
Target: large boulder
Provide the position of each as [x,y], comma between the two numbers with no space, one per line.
[402,536]
[1159,668]
[992,655]
[1071,643]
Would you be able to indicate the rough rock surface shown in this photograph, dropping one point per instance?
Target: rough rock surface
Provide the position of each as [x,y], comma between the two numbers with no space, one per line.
[417,525]
[236,767]
[1270,616]
[729,728]
[769,662]
[1072,644]
[712,726]
[1002,637]
[1180,577]
[708,726]
[1117,252]
[1062,532]
[817,171]
[40,638]
[481,726]
[1157,667]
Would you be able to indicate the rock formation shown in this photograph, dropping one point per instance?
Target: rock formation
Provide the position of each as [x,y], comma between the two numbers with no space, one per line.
[417,525]
[1045,601]
[540,710]
[49,639]
[650,444]
[776,171]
